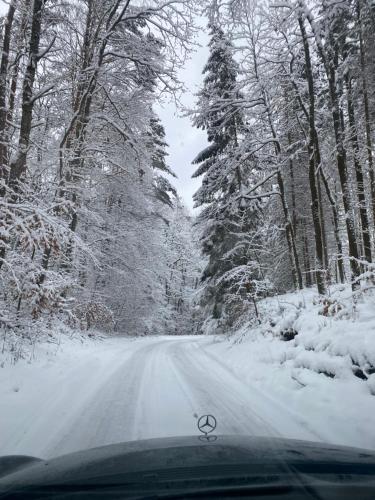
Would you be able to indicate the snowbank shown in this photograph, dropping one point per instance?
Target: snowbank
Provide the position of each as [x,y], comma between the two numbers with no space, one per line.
[326,373]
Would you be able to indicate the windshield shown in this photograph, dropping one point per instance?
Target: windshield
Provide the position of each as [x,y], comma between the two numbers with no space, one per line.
[187,211]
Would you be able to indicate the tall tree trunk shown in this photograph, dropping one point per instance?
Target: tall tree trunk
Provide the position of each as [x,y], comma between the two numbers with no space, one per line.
[369,146]
[358,174]
[291,241]
[320,278]
[330,66]
[4,145]
[344,179]
[16,63]
[322,222]
[293,190]
[306,259]
[4,64]
[332,201]
[18,165]
[336,228]
[331,198]
[290,236]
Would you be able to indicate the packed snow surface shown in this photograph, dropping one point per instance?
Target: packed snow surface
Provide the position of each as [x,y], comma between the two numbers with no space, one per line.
[123,389]
[77,396]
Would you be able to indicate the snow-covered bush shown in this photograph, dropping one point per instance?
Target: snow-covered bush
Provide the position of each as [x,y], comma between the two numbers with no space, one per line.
[92,315]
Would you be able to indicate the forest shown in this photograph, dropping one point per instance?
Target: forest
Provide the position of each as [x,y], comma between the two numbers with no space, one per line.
[94,235]
[288,183]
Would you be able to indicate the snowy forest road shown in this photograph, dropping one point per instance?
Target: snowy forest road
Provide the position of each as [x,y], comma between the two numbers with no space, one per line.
[153,387]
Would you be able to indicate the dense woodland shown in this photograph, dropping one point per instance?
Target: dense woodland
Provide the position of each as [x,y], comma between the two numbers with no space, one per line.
[288,181]
[93,233]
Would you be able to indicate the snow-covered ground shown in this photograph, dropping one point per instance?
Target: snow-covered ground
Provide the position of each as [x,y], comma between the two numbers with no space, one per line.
[313,374]
[122,389]
[80,395]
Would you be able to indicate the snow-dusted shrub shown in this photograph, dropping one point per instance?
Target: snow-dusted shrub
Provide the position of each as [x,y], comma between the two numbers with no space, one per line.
[92,315]
[21,342]
[332,307]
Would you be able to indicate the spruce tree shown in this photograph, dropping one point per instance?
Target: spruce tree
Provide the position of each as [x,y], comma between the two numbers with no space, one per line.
[221,220]
[157,146]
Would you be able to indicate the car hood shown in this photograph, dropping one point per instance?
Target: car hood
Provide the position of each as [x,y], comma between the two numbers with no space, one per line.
[157,459]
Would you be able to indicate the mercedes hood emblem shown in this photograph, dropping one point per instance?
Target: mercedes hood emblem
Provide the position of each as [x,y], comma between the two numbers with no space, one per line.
[207,424]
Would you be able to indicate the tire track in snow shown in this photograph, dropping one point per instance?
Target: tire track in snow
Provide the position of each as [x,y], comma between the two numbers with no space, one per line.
[110,415]
[241,408]
[212,394]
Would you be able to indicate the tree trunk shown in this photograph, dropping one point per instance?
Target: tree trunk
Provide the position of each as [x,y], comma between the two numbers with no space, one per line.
[290,237]
[369,147]
[293,190]
[296,269]
[4,64]
[344,180]
[330,65]
[4,139]
[306,259]
[320,278]
[18,165]
[16,64]
[332,200]
[358,174]
[322,222]
[340,263]
[291,241]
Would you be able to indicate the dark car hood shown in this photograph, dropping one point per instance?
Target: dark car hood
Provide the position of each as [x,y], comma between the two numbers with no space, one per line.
[158,460]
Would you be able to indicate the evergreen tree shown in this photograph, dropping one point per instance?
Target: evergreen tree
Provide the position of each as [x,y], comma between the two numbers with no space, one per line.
[222,219]
[164,190]
[219,114]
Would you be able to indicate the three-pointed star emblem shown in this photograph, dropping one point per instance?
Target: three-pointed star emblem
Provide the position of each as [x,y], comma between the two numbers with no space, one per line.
[207,424]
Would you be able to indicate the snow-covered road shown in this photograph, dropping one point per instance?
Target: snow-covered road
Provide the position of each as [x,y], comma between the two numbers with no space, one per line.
[127,390]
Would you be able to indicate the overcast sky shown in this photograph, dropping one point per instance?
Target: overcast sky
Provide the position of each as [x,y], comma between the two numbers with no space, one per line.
[184,141]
